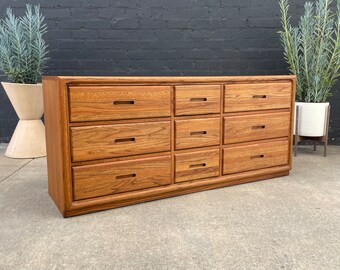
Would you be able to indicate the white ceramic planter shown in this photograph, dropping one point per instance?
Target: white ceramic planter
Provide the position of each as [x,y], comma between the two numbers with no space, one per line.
[312,119]
[28,140]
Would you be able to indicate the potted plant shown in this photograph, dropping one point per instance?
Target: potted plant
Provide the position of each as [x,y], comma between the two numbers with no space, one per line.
[22,58]
[312,51]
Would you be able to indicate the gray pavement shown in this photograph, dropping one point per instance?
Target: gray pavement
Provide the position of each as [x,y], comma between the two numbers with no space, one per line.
[291,222]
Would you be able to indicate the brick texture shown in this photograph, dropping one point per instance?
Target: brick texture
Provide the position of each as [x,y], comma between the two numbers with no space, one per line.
[161,37]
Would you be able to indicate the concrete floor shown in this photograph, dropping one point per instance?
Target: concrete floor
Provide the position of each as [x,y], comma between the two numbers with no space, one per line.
[291,222]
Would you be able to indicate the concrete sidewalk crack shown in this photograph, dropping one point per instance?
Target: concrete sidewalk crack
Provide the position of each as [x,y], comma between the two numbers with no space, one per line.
[2,180]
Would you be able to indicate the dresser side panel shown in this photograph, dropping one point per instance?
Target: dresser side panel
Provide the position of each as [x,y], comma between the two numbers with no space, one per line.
[292,111]
[54,146]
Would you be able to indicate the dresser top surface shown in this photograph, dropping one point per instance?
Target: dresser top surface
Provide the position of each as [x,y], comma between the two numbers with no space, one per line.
[168,79]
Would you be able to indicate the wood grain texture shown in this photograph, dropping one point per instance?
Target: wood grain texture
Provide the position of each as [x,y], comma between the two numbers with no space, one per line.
[116,177]
[244,128]
[197,99]
[54,145]
[105,141]
[257,96]
[172,136]
[119,121]
[255,156]
[221,128]
[197,133]
[94,103]
[99,159]
[196,165]
[292,113]
[170,80]
[57,143]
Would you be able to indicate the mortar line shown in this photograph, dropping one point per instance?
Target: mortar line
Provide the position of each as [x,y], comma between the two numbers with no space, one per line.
[2,180]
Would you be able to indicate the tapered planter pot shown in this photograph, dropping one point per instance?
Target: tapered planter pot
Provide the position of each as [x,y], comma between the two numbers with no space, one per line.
[28,140]
[312,119]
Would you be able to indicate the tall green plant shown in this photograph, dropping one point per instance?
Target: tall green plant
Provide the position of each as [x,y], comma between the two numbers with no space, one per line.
[312,49]
[22,47]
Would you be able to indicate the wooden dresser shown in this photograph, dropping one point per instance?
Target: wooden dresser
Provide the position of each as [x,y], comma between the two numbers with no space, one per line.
[116,141]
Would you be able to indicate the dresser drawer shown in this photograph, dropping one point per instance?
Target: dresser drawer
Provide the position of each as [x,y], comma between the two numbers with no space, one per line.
[257,96]
[197,133]
[255,156]
[197,99]
[116,177]
[105,141]
[196,165]
[256,127]
[94,103]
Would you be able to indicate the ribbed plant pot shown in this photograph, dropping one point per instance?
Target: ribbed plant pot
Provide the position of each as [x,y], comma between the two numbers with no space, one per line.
[28,139]
[312,119]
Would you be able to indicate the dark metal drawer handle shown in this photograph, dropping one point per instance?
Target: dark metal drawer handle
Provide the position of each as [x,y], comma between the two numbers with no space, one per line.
[259,96]
[123,102]
[198,99]
[118,177]
[195,133]
[125,140]
[258,127]
[258,156]
[198,165]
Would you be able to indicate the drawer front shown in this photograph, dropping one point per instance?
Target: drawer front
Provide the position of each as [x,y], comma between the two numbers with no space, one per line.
[258,96]
[197,99]
[116,177]
[196,165]
[105,141]
[255,156]
[95,103]
[256,127]
[197,133]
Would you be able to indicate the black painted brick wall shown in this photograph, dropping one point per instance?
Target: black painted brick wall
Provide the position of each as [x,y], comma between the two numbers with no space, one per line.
[161,37]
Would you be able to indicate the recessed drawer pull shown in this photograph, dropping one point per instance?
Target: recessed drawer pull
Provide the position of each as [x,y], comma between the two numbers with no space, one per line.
[118,177]
[125,140]
[258,127]
[258,156]
[259,96]
[198,99]
[195,133]
[198,165]
[123,102]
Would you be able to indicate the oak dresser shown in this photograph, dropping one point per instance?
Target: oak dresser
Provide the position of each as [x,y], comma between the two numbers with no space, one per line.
[116,141]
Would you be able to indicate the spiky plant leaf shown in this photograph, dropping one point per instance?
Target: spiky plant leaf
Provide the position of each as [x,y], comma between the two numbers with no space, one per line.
[23,51]
[312,49]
